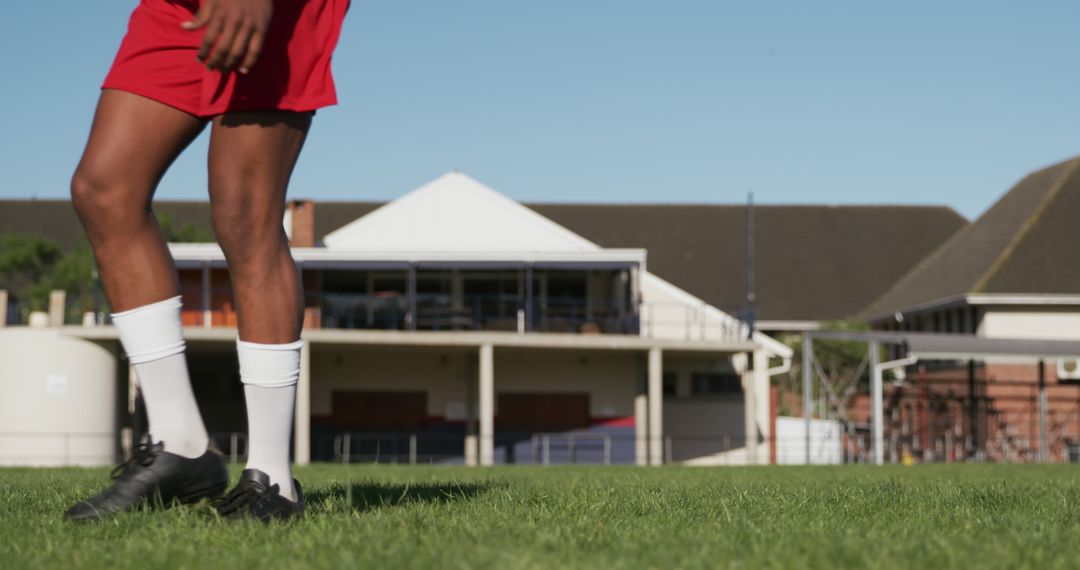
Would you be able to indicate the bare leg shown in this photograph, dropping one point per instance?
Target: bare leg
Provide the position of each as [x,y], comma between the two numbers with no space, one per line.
[132,142]
[252,156]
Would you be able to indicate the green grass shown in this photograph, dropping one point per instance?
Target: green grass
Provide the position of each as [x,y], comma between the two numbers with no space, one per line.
[964,516]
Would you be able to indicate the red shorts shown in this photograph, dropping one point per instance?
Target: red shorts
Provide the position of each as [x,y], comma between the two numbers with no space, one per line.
[157,60]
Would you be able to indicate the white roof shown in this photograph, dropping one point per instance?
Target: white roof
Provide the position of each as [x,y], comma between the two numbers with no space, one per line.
[196,254]
[455,213]
[768,343]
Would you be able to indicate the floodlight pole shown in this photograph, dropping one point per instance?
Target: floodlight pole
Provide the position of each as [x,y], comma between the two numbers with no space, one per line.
[751,310]
[807,386]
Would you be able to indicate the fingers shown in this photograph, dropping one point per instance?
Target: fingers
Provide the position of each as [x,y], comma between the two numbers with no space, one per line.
[254,48]
[223,46]
[201,17]
[238,48]
[233,33]
[213,30]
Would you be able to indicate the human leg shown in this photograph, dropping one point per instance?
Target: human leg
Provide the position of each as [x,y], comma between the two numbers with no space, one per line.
[132,143]
[252,156]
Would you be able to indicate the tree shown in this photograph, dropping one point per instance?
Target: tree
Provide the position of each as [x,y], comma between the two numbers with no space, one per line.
[840,368]
[32,266]
[25,261]
[183,233]
[26,256]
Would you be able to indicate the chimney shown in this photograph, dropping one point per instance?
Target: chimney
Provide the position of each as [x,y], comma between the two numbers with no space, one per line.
[300,223]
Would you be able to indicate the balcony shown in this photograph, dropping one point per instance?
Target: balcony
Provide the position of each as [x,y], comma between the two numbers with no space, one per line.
[522,300]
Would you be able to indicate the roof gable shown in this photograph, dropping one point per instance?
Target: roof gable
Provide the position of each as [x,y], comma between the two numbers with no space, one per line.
[455,213]
[1045,258]
[1006,250]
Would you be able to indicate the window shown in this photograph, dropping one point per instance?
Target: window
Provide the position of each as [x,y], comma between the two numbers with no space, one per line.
[542,412]
[378,410]
[715,384]
[671,384]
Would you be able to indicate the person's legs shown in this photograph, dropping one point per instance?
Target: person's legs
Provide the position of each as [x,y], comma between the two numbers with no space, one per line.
[132,142]
[252,156]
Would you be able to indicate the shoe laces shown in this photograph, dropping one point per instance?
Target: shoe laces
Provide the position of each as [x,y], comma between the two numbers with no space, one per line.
[142,456]
[243,497]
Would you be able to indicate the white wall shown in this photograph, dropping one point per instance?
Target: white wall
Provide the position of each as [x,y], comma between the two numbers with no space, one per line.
[441,374]
[671,313]
[703,430]
[826,441]
[1031,322]
[57,399]
[706,428]
[608,377]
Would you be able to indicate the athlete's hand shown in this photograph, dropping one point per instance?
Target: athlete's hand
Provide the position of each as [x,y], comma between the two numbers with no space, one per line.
[235,32]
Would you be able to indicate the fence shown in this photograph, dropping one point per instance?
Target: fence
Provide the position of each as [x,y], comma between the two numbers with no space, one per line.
[556,448]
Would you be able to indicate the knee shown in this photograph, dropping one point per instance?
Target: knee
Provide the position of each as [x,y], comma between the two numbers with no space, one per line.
[100,203]
[87,192]
[245,233]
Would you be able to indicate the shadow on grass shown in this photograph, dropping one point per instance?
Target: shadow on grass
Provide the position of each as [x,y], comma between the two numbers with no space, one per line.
[367,496]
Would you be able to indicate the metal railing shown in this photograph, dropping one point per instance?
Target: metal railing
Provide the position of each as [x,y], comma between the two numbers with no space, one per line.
[546,448]
[509,312]
[345,452]
[541,445]
[473,312]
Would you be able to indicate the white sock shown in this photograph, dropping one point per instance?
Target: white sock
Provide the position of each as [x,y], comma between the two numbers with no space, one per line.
[270,373]
[154,343]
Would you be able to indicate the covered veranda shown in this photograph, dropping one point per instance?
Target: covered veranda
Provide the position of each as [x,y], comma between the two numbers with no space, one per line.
[648,392]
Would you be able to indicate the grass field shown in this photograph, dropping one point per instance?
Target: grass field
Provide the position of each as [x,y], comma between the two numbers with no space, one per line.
[962,516]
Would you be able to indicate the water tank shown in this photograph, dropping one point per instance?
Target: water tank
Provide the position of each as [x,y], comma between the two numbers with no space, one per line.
[57,399]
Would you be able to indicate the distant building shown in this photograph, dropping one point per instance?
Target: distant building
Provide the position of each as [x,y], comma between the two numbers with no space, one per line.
[409,303]
[455,324]
[1013,273]
[814,263]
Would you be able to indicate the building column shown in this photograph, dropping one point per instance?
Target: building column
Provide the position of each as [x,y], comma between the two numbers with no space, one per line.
[57,307]
[410,317]
[487,404]
[302,416]
[457,290]
[762,427]
[541,322]
[529,294]
[641,418]
[472,447]
[750,425]
[656,406]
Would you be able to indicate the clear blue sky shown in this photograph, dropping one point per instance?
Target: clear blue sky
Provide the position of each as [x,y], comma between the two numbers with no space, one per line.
[622,100]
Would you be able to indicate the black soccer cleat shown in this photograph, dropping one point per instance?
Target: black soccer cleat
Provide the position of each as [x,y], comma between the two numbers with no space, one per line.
[254,496]
[155,477]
